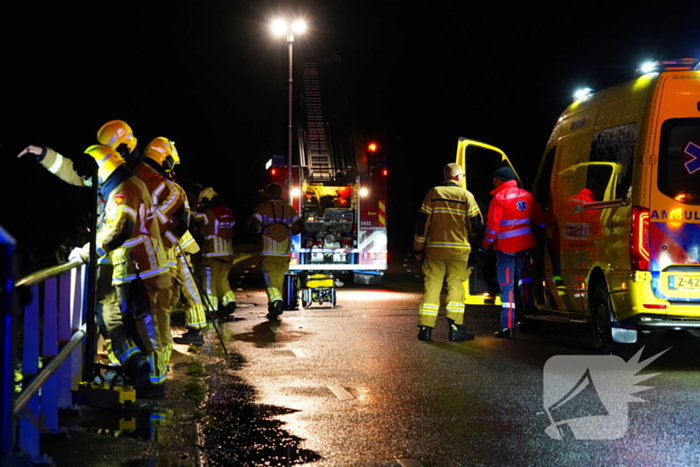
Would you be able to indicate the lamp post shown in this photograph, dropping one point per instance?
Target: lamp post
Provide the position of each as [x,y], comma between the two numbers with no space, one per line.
[282,27]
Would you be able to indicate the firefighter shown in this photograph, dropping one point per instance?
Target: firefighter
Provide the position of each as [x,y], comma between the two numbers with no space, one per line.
[184,280]
[277,221]
[447,218]
[130,238]
[508,229]
[174,214]
[216,222]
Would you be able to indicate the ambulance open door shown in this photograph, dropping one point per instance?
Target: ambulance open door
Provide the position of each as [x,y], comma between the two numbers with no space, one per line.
[479,161]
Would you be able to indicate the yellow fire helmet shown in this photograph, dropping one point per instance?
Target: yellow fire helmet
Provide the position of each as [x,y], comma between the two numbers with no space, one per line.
[176,156]
[163,151]
[107,159]
[115,133]
[206,195]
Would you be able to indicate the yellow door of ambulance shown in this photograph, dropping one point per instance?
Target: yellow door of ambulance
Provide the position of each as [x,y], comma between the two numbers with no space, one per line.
[479,161]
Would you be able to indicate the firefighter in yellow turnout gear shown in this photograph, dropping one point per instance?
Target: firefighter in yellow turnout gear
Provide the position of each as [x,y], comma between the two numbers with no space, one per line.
[164,153]
[447,218]
[173,212]
[216,222]
[130,238]
[277,221]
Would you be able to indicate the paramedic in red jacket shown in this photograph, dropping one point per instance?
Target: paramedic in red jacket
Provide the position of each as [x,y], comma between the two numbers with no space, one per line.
[511,211]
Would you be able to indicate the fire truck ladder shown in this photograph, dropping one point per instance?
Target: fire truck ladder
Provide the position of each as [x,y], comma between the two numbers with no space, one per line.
[319,158]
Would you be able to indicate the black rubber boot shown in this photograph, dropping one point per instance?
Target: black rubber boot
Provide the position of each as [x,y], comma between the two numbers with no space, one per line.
[191,337]
[459,334]
[138,371]
[425,333]
[504,334]
[275,309]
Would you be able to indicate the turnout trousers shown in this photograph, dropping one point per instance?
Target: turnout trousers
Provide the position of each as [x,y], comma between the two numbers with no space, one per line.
[195,316]
[216,284]
[436,271]
[274,268]
[125,341]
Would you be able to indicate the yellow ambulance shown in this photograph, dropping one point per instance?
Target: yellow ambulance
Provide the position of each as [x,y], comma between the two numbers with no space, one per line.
[620,184]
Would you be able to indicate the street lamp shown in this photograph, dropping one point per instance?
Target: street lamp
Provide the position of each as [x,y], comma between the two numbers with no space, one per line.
[282,27]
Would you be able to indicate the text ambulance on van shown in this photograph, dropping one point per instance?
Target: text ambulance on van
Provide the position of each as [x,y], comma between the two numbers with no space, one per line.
[620,183]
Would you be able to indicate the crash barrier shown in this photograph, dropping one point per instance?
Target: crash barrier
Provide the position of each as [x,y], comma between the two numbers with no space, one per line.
[52,331]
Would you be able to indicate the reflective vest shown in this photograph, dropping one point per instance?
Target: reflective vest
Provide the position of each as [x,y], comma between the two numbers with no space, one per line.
[217,227]
[445,218]
[275,212]
[508,219]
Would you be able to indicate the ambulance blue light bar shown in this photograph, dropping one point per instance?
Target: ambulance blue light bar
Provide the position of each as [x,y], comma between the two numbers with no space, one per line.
[675,64]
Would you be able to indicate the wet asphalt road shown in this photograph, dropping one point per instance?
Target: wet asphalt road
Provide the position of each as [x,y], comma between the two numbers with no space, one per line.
[352,386]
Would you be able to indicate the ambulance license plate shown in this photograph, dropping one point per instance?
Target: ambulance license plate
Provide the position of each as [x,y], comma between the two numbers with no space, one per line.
[684,282]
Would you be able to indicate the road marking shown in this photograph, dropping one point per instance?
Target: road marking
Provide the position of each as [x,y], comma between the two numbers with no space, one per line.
[246,272]
[239,290]
[242,277]
[405,265]
[299,353]
[408,270]
[409,463]
[341,393]
[254,265]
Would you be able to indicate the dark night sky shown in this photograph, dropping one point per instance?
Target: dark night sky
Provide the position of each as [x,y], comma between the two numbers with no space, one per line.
[209,76]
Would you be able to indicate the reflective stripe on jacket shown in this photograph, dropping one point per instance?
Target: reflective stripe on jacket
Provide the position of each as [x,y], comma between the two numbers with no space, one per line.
[448,216]
[129,234]
[269,213]
[508,220]
[166,201]
[217,229]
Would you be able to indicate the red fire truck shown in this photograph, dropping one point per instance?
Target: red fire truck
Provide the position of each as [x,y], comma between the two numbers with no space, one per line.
[344,211]
[339,186]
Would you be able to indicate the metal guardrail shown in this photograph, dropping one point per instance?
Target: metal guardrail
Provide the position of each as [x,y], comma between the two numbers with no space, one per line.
[52,360]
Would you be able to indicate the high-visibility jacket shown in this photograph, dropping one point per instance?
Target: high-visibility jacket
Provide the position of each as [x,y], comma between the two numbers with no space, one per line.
[168,205]
[62,167]
[508,221]
[129,234]
[187,241]
[447,218]
[217,228]
[271,213]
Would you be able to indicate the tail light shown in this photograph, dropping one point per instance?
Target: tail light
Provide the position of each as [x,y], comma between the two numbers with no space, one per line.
[639,239]
[376,255]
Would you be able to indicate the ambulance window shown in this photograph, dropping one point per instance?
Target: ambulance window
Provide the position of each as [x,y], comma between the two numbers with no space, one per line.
[615,144]
[679,160]
[544,179]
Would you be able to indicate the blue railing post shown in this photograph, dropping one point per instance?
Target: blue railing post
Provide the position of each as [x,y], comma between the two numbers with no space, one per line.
[7,357]
[29,424]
